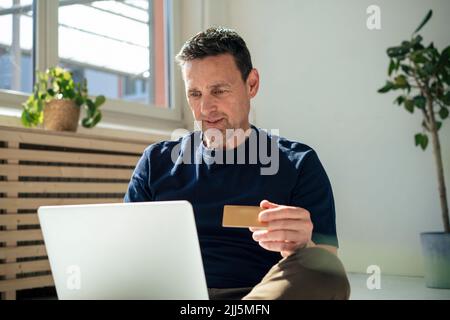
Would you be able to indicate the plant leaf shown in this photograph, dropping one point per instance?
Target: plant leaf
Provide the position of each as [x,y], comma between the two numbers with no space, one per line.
[421,140]
[417,39]
[70,94]
[424,21]
[397,52]
[444,60]
[26,119]
[90,122]
[401,82]
[97,118]
[405,68]
[409,105]
[79,101]
[67,75]
[391,67]
[90,104]
[387,87]
[86,122]
[419,101]
[419,56]
[99,101]
[418,139]
[443,113]
[446,98]
[424,141]
[399,100]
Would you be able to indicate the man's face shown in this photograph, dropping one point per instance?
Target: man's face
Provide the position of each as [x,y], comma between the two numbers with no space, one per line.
[217,95]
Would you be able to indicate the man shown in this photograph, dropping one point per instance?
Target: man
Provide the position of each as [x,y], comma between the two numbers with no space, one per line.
[295,257]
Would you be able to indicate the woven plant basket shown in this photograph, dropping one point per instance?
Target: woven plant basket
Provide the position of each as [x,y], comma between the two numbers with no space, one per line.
[61,115]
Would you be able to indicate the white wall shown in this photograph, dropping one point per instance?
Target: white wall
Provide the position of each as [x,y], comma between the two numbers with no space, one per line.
[320,68]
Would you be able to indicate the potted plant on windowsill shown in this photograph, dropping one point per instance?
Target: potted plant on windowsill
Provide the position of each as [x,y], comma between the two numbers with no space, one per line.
[423,75]
[56,102]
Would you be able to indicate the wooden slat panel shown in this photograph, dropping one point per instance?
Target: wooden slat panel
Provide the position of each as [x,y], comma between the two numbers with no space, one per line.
[11,203]
[43,138]
[18,219]
[23,252]
[24,267]
[62,187]
[67,157]
[21,235]
[65,172]
[26,283]
[33,203]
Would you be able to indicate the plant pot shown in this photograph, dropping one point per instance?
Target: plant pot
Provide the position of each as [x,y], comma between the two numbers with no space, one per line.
[61,115]
[436,256]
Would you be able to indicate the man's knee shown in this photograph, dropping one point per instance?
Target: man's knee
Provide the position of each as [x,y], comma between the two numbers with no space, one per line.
[315,273]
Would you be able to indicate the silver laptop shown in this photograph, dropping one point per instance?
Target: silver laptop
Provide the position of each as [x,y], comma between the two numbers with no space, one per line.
[145,250]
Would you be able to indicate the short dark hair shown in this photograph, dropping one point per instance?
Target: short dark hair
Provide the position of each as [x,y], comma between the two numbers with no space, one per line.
[216,41]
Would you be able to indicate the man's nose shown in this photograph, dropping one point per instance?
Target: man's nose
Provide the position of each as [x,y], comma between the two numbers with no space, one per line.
[207,104]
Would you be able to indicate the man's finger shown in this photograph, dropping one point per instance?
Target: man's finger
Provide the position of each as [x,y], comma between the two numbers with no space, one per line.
[286,224]
[278,235]
[253,229]
[266,204]
[278,246]
[283,213]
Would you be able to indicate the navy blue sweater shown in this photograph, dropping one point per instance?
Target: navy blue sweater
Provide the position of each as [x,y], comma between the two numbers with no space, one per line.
[186,170]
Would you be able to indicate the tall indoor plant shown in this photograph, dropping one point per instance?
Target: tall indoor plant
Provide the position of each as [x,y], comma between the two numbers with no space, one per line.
[56,101]
[422,74]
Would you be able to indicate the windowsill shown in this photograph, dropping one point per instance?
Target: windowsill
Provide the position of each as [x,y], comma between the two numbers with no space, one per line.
[14,100]
[143,123]
[11,117]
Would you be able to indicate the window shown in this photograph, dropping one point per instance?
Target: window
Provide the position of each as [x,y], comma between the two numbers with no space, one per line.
[120,47]
[16,44]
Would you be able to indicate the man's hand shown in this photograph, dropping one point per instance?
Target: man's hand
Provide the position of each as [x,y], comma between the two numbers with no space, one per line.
[288,228]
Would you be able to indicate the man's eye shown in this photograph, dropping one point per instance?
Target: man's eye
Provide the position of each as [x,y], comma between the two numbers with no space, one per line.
[195,94]
[217,92]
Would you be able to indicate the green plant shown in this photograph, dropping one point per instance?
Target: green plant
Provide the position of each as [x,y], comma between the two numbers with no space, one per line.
[423,75]
[57,83]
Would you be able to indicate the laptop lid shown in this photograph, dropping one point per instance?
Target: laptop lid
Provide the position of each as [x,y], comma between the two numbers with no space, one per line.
[145,250]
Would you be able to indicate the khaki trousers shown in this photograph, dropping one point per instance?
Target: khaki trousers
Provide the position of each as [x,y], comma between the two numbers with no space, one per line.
[309,273]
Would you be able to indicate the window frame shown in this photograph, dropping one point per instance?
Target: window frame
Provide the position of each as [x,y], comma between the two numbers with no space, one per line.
[46,55]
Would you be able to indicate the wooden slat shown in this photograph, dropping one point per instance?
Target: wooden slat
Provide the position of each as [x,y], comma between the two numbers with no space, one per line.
[62,187]
[19,219]
[23,252]
[26,283]
[12,176]
[44,138]
[33,203]
[24,267]
[65,172]
[67,157]
[21,235]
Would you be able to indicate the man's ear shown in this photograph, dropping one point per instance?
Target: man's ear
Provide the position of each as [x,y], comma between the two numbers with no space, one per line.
[252,83]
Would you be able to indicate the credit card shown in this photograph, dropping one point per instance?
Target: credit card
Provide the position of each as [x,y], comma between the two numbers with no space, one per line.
[242,216]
